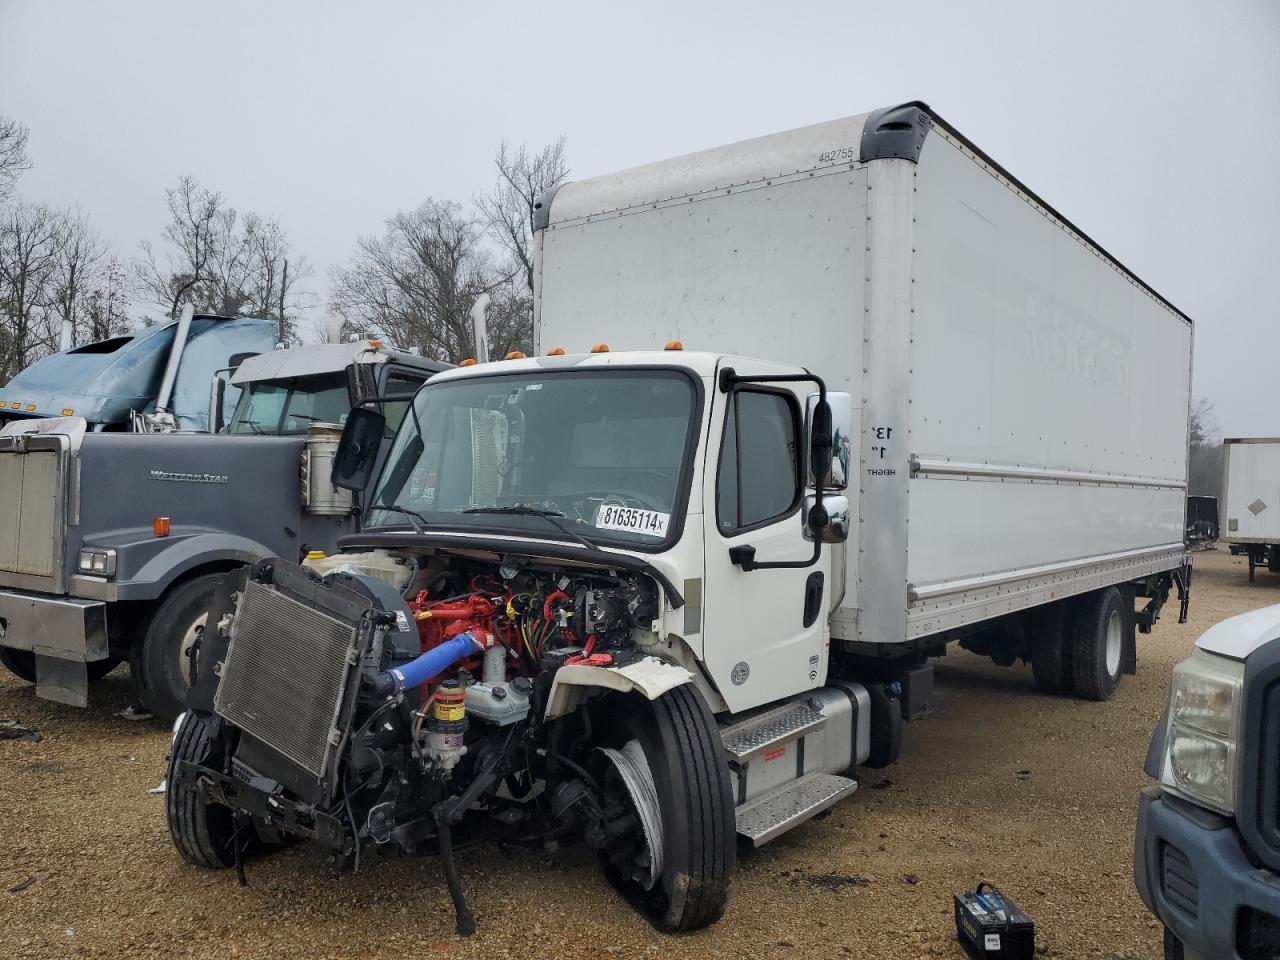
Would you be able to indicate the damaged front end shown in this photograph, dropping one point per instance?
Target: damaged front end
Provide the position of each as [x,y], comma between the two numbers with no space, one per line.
[370,717]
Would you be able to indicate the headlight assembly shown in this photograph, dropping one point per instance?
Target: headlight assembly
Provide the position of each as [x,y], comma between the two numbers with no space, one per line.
[1204,730]
[97,562]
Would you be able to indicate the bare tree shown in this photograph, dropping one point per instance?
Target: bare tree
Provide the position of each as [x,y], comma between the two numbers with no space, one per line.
[79,256]
[508,209]
[30,244]
[106,303]
[13,155]
[223,263]
[415,284]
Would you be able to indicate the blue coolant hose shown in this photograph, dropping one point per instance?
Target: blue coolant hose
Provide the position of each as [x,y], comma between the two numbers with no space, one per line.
[439,658]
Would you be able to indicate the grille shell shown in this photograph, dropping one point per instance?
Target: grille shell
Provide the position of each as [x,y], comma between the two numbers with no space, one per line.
[285,675]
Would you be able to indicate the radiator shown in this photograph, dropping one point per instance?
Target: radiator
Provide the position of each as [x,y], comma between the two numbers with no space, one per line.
[284,675]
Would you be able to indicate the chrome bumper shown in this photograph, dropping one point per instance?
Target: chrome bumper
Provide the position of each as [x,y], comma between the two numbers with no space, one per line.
[64,633]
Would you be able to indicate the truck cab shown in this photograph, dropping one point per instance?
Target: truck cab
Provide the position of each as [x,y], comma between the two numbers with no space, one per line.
[108,384]
[1207,849]
[118,563]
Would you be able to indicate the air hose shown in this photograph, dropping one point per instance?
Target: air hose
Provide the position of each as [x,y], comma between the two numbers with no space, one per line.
[436,660]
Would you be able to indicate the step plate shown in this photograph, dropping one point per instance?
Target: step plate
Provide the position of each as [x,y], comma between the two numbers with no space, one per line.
[747,740]
[773,814]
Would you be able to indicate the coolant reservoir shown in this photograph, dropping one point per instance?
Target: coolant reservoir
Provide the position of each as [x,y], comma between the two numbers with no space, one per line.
[375,563]
[322,497]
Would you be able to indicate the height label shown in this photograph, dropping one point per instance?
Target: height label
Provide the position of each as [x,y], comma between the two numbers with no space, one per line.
[878,451]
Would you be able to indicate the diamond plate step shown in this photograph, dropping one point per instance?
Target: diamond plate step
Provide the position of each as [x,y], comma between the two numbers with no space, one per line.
[748,739]
[790,805]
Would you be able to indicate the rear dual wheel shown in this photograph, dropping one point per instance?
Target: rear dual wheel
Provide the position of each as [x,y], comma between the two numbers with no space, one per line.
[675,862]
[1078,646]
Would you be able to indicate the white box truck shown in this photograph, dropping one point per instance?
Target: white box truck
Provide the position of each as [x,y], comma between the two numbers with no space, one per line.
[663,596]
[1251,500]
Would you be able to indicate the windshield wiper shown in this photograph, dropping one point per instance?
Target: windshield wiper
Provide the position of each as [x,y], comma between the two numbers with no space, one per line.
[552,517]
[418,520]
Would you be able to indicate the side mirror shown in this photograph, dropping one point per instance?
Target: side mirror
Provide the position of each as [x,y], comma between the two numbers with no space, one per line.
[836,527]
[830,440]
[358,449]
[362,383]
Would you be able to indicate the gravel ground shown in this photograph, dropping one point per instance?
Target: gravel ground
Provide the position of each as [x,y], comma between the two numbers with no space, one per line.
[1036,794]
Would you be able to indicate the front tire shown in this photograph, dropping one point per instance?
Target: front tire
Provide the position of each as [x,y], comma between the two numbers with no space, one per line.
[161,663]
[681,746]
[1173,949]
[203,832]
[1097,634]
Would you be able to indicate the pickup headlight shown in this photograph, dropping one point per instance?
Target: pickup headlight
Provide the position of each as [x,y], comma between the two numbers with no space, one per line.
[1204,730]
[98,563]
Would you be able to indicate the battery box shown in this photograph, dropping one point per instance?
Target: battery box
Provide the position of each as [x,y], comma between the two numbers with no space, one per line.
[991,926]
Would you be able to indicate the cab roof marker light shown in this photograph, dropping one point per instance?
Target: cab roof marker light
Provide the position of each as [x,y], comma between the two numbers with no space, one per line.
[600,348]
[556,352]
[514,355]
[68,412]
[469,362]
[674,345]
[31,406]
[17,404]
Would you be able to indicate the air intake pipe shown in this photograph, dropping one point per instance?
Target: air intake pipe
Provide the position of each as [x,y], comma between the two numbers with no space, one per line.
[436,660]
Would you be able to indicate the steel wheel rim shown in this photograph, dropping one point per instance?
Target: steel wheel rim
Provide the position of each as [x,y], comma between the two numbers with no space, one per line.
[184,648]
[1113,644]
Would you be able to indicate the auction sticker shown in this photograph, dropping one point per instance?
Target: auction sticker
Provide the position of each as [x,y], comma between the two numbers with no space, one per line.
[632,520]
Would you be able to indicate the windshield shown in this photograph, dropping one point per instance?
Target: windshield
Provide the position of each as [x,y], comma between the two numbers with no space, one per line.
[601,455]
[290,406]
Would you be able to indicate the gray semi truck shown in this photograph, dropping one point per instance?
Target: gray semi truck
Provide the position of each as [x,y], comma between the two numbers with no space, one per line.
[111,541]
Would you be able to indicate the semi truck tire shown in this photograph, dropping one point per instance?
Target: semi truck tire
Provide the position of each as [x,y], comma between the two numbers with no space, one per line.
[1050,652]
[22,664]
[161,670]
[694,801]
[202,832]
[1097,628]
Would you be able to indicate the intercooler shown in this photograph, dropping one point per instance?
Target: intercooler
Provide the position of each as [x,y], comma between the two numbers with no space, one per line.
[286,673]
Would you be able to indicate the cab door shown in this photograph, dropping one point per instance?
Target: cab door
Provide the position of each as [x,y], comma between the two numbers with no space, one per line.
[765,630]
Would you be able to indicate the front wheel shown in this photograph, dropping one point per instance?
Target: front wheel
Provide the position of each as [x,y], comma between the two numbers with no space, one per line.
[676,862]
[163,662]
[203,832]
[1173,949]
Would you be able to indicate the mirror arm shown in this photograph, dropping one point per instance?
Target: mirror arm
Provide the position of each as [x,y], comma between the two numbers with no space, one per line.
[744,555]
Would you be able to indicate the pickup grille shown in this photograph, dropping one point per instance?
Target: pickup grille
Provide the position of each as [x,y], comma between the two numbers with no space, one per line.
[1258,796]
[285,674]
[1181,887]
[31,512]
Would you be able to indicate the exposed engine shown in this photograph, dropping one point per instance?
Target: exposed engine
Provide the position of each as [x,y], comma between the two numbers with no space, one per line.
[365,717]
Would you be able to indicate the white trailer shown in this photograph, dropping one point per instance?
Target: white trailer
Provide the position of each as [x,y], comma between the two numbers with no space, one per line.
[1021,397]
[1251,500]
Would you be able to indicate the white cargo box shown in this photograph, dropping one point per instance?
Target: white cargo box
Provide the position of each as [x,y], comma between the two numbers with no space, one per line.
[1251,491]
[1023,398]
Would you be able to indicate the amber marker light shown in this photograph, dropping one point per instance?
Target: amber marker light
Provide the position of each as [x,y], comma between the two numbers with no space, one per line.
[160,526]
[600,348]
[68,412]
[469,362]
[674,345]
[556,352]
[514,355]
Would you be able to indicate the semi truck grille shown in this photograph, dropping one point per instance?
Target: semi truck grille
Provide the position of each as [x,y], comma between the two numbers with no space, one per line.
[30,512]
[284,675]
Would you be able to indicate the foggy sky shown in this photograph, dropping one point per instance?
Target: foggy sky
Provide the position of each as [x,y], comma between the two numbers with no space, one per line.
[1152,125]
